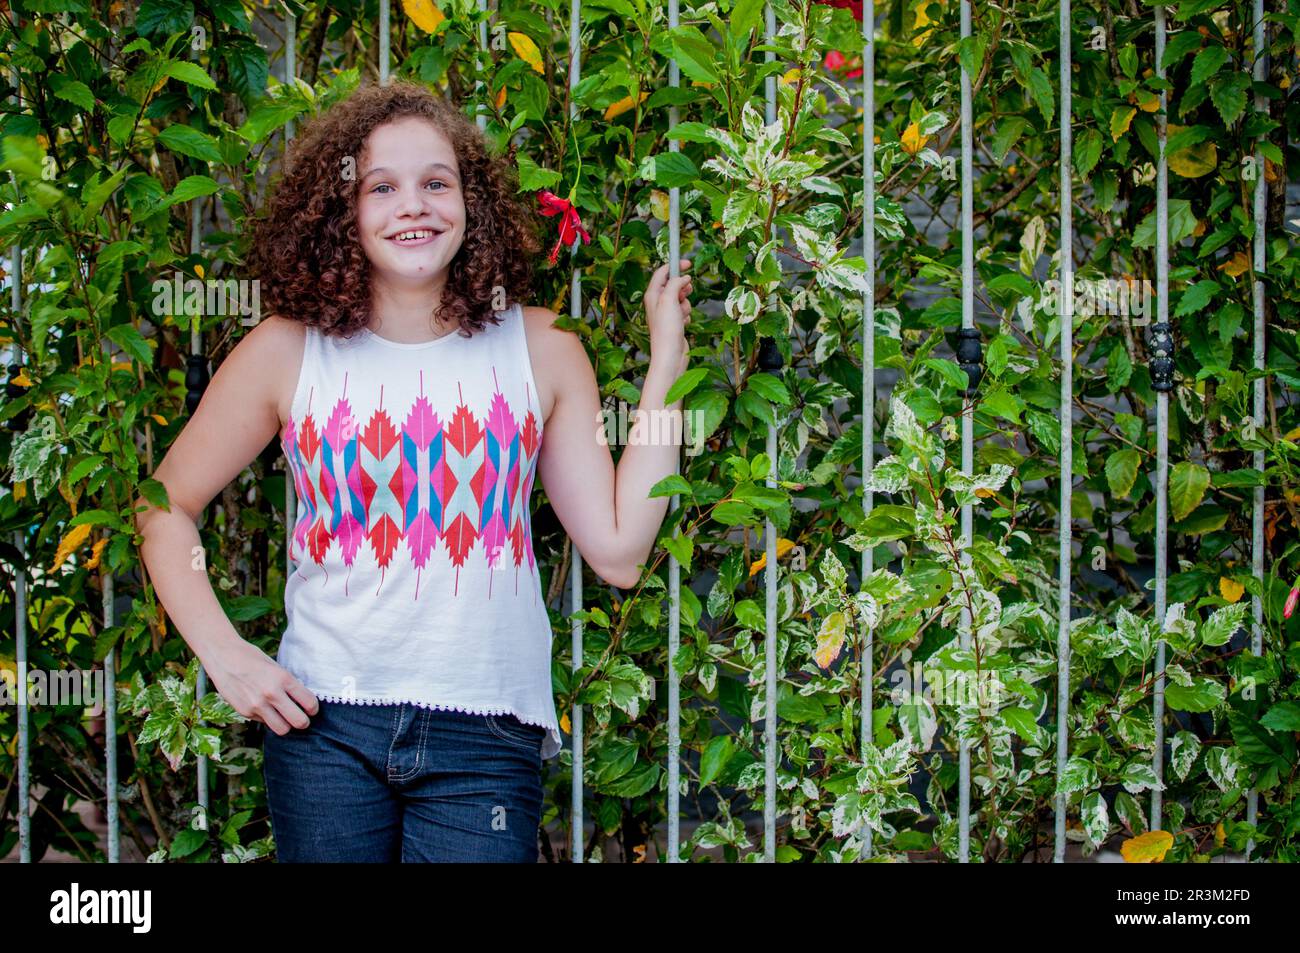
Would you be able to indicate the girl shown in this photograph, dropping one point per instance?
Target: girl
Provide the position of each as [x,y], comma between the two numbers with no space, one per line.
[415,395]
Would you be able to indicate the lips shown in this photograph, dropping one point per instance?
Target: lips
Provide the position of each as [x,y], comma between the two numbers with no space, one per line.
[427,235]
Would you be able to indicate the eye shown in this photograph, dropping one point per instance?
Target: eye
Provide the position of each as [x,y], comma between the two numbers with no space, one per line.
[381,185]
[437,182]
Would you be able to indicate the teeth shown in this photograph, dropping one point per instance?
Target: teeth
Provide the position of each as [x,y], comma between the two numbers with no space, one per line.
[408,236]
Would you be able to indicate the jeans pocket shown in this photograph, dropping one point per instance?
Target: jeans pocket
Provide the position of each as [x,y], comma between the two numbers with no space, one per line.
[511,729]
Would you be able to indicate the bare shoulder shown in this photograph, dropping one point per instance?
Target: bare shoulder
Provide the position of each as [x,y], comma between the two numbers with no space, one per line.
[275,346]
[558,356]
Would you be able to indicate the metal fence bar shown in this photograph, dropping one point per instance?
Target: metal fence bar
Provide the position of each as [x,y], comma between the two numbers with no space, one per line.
[20,570]
[1259,73]
[1066,311]
[575,564]
[384,29]
[290,60]
[967,420]
[196,349]
[290,495]
[674,570]
[480,103]
[868,352]
[110,725]
[1162,381]
[769,534]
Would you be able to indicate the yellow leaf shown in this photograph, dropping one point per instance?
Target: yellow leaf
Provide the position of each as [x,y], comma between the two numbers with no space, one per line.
[922,20]
[783,546]
[1219,835]
[20,490]
[913,141]
[984,493]
[1193,161]
[790,76]
[700,82]
[1199,229]
[830,639]
[1293,435]
[122,366]
[501,98]
[22,380]
[659,204]
[623,105]
[526,50]
[564,723]
[1237,265]
[1147,101]
[1120,120]
[1230,589]
[423,14]
[70,542]
[198,270]
[1148,848]
[160,418]
[93,562]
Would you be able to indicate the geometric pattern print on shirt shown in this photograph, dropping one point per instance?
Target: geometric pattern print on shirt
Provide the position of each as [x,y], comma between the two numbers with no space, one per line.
[431,484]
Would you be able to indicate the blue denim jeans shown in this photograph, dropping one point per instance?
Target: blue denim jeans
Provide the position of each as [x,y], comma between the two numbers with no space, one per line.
[401,783]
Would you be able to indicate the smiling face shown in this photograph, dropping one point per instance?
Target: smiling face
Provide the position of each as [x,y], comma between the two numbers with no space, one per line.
[410,205]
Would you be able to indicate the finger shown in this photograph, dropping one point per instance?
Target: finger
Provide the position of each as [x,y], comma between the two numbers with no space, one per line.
[291,713]
[271,718]
[303,696]
[659,277]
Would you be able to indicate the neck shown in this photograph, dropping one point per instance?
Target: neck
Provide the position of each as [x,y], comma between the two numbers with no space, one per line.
[407,312]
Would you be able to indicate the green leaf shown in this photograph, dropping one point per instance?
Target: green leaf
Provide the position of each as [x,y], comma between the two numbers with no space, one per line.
[1207,63]
[1228,93]
[75,92]
[715,757]
[190,73]
[190,142]
[1197,297]
[532,176]
[1040,88]
[692,51]
[163,16]
[246,65]
[672,484]
[192,187]
[1203,694]
[131,341]
[1023,723]
[1187,485]
[685,384]
[1087,152]
[1122,470]
[674,169]
[1009,131]
[1284,717]
[769,388]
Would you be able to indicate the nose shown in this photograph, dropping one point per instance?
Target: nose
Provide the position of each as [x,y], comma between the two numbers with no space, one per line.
[414,203]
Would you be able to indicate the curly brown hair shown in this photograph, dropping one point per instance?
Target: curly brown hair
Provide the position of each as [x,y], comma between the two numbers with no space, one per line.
[305,248]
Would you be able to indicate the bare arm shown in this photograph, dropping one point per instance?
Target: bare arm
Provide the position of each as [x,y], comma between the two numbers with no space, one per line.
[606,510]
[237,417]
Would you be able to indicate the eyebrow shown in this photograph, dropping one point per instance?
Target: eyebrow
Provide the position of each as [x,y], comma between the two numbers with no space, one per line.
[431,165]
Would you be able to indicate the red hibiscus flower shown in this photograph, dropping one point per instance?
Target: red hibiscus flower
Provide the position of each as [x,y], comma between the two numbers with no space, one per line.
[854,5]
[835,61]
[570,225]
[1292,598]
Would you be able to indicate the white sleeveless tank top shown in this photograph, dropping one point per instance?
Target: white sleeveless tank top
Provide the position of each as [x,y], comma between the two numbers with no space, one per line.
[414,578]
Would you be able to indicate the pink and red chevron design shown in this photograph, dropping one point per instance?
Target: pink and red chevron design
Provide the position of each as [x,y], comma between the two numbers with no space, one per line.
[436,486]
